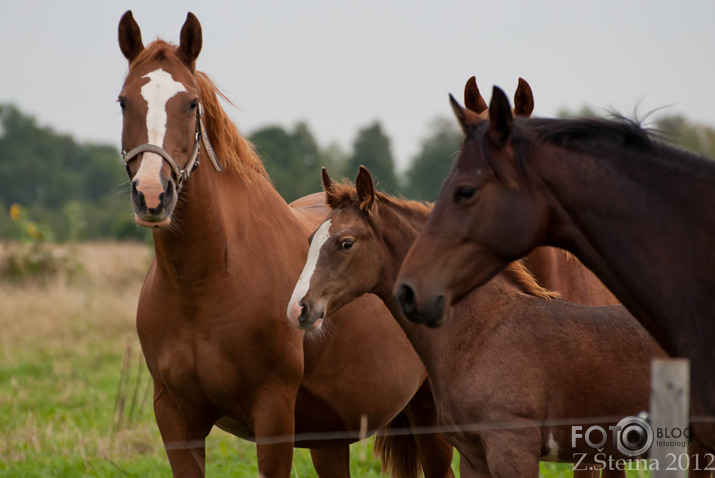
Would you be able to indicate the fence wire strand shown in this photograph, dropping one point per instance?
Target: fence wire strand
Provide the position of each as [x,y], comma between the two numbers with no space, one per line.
[355,435]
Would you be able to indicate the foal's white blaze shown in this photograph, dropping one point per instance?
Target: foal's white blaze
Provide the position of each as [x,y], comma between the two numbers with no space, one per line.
[157,92]
[303,284]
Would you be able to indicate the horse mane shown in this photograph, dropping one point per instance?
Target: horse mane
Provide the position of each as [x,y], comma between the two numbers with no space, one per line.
[341,193]
[617,134]
[233,150]
[524,280]
[157,50]
[599,137]
[580,132]
[345,193]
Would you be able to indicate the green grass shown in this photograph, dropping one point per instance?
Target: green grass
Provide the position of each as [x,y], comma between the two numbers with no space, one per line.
[63,347]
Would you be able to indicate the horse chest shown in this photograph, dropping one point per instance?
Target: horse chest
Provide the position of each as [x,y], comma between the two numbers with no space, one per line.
[209,357]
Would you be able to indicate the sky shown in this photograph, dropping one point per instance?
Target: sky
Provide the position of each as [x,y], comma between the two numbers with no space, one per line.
[342,65]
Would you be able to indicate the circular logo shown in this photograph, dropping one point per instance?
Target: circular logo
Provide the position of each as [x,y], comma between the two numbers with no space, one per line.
[634,436]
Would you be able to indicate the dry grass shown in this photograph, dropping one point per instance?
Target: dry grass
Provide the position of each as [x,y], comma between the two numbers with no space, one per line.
[97,303]
[61,346]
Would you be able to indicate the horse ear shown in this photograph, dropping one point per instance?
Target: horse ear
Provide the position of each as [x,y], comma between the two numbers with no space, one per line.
[130,36]
[500,118]
[459,112]
[473,99]
[466,116]
[523,99]
[190,43]
[328,187]
[365,189]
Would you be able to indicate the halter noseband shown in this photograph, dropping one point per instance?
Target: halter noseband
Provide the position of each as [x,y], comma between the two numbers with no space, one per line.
[180,174]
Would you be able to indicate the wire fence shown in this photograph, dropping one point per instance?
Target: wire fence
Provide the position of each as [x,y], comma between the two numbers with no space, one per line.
[135,387]
[357,435]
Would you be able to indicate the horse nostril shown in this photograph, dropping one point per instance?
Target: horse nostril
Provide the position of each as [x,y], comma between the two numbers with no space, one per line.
[168,195]
[406,299]
[137,196]
[303,318]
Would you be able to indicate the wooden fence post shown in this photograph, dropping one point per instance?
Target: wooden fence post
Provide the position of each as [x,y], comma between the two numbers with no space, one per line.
[670,415]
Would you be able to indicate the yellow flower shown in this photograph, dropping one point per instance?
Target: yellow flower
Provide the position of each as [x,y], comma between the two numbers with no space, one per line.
[32,231]
[15,212]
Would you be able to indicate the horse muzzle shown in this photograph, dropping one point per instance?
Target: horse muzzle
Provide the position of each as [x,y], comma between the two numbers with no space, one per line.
[153,203]
[306,315]
[432,312]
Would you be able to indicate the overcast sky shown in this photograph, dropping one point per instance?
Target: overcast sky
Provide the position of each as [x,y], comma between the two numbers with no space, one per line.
[340,65]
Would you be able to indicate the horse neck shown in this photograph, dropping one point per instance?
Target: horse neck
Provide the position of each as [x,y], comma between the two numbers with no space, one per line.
[222,219]
[399,227]
[634,222]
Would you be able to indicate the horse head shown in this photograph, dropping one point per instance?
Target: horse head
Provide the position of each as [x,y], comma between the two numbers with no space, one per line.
[162,118]
[343,260]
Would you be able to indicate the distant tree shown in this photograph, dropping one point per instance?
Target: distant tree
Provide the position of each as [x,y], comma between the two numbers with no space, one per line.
[292,159]
[429,168]
[57,179]
[585,112]
[677,130]
[29,157]
[274,145]
[103,170]
[372,150]
[334,158]
[38,167]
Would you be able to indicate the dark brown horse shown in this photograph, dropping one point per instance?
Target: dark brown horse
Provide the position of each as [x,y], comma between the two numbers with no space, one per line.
[634,209]
[211,314]
[513,370]
[554,269]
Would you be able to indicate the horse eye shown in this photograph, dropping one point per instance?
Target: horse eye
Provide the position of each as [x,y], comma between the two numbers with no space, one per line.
[193,105]
[122,103]
[346,244]
[464,193]
[310,238]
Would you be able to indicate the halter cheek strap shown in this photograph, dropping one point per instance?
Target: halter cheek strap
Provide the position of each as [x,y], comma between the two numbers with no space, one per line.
[181,175]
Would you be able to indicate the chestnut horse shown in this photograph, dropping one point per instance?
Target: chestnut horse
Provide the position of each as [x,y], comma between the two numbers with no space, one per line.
[554,268]
[211,313]
[513,369]
[631,207]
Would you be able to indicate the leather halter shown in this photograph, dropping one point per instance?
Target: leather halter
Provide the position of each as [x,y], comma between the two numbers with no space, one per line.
[180,174]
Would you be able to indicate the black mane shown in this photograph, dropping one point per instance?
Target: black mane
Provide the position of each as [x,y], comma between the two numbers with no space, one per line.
[601,137]
[583,132]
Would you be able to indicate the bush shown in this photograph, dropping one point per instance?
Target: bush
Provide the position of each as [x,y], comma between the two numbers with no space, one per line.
[33,258]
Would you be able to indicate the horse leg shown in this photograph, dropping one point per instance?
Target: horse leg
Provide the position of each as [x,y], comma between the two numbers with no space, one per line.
[473,466]
[512,453]
[273,418]
[590,473]
[432,448]
[184,435]
[332,461]
[610,473]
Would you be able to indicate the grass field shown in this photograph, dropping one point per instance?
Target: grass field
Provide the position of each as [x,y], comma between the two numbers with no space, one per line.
[75,398]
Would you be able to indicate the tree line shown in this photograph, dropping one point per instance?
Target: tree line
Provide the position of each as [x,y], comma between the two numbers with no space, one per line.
[80,191]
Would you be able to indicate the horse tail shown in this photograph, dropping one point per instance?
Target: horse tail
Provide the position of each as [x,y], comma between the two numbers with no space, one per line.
[397,451]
